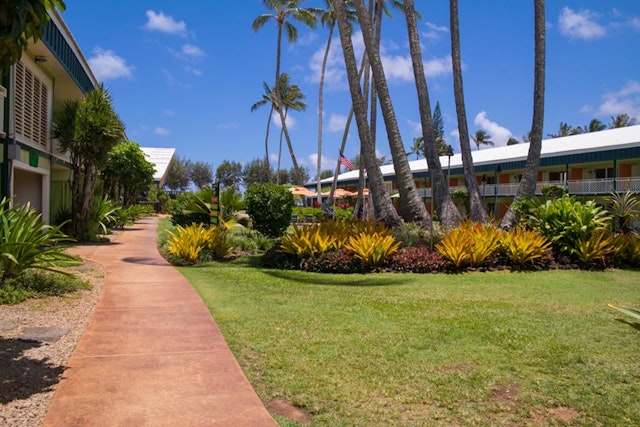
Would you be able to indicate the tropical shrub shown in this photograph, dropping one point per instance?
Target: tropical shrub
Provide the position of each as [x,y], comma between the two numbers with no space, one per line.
[269,206]
[594,248]
[626,250]
[471,244]
[337,261]
[564,221]
[276,258]
[182,215]
[308,240]
[525,248]
[553,191]
[27,243]
[624,208]
[411,234]
[372,248]
[418,259]
[196,243]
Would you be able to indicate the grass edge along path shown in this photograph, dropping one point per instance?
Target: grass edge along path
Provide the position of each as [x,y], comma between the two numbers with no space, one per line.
[397,349]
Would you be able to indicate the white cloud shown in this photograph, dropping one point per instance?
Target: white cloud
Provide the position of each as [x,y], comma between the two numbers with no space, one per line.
[499,134]
[580,25]
[291,122]
[438,66]
[312,162]
[334,75]
[169,113]
[624,101]
[434,31]
[106,65]
[161,131]
[165,24]
[634,22]
[168,76]
[192,51]
[400,68]
[336,123]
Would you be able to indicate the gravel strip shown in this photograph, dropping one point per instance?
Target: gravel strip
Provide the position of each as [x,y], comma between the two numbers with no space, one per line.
[30,370]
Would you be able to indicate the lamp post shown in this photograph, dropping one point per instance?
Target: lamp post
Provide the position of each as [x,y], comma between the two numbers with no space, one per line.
[495,192]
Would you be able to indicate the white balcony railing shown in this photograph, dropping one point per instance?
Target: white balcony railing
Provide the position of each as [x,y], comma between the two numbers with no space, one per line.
[583,187]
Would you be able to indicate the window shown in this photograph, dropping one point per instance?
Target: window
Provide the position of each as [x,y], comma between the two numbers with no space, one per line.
[558,176]
[31,106]
[604,173]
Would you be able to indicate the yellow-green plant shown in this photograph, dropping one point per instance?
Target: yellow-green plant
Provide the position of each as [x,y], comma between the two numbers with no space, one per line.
[372,248]
[594,248]
[307,241]
[188,243]
[626,248]
[523,247]
[470,244]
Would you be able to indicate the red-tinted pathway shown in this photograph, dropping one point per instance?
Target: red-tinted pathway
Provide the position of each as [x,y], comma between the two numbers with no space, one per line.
[152,354]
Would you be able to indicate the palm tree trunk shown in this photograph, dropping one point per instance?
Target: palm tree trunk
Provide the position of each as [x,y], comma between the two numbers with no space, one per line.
[411,206]
[448,213]
[279,99]
[320,112]
[477,210]
[527,185]
[383,208]
[266,138]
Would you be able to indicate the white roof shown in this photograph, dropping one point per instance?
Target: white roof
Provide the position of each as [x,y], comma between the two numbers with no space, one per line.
[583,143]
[160,158]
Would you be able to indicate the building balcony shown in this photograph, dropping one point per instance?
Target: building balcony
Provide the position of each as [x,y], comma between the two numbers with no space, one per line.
[590,187]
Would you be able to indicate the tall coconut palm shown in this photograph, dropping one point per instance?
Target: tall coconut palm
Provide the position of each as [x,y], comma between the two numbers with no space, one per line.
[527,185]
[291,97]
[482,138]
[382,206]
[282,11]
[412,208]
[565,129]
[417,148]
[477,210]
[268,98]
[449,215]
[328,18]
[594,125]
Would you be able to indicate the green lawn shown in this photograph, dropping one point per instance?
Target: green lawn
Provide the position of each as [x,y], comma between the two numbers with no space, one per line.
[422,350]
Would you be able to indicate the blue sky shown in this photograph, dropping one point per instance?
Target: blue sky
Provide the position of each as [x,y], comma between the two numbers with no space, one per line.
[185,74]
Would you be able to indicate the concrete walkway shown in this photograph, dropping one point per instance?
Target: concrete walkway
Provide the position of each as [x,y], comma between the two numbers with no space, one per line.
[152,355]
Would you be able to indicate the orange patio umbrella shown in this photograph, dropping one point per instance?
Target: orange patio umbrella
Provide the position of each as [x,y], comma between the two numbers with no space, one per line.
[301,191]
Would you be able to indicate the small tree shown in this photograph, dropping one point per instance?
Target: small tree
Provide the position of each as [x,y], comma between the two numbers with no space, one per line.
[179,174]
[257,171]
[269,206]
[128,173]
[201,174]
[229,174]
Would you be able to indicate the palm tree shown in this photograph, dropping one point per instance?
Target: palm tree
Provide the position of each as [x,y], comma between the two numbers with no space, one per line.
[449,215]
[594,125]
[382,206]
[482,138]
[565,129]
[87,130]
[412,208]
[284,9]
[621,121]
[417,148]
[268,97]
[328,18]
[477,210]
[527,186]
[291,97]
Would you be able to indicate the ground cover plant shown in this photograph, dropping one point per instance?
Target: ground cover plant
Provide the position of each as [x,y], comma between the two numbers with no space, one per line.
[483,349]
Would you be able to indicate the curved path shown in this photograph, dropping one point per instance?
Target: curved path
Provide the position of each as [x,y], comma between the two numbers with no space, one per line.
[152,354]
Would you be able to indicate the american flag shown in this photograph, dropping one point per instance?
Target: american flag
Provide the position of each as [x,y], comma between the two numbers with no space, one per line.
[345,162]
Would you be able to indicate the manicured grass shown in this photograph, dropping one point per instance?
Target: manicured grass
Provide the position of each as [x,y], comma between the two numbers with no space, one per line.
[395,349]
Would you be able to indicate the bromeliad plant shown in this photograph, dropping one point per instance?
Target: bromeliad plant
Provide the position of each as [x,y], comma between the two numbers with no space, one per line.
[197,243]
[27,243]
[523,248]
[470,244]
[372,248]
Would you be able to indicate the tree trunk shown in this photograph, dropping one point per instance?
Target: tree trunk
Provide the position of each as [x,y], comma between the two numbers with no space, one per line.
[383,208]
[527,185]
[320,112]
[447,211]
[279,100]
[411,206]
[477,210]
[266,138]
